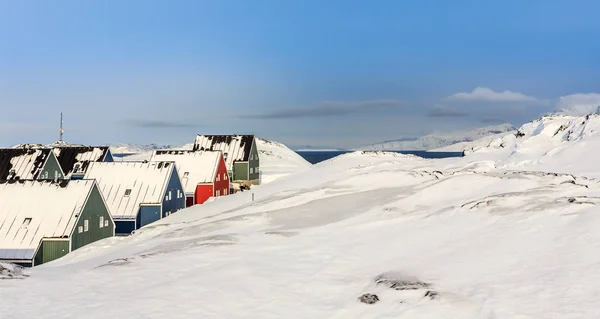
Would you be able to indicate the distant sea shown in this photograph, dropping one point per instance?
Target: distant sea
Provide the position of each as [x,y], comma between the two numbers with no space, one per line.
[314,157]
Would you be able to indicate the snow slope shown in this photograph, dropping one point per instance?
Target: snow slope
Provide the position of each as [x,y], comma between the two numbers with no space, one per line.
[277,160]
[488,235]
[439,140]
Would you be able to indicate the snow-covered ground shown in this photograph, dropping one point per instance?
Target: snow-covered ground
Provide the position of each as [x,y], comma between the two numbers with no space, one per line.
[495,234]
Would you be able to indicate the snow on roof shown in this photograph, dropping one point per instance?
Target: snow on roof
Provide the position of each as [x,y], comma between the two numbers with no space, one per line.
[68,156]
[25,162]
[126,185]
[194,167]
[235,148]
[53,213]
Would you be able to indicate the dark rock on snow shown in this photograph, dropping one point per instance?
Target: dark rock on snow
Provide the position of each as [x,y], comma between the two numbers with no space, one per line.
[368,299]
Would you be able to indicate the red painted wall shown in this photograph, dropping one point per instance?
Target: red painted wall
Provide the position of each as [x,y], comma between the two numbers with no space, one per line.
[221,181]
[203,192]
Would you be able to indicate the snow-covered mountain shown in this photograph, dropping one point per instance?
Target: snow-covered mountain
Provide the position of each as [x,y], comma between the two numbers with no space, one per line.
[438,140]
[124,148]
[579,104]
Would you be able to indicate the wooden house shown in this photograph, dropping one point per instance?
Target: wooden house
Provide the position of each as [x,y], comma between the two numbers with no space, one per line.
[28,163]
[240,154]
[44,220]
[138,193]
[72,158]
[203,173]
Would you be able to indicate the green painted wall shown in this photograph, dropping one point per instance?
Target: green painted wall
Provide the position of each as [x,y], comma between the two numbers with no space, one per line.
[93,210]
[240,171]
[254,165]
[51,169]
[50,250]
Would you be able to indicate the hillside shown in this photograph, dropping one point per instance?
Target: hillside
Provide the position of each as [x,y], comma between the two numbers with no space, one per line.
[439,140]
[494,234]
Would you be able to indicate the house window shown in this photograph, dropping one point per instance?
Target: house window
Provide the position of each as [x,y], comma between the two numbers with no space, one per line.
[225,176]
[86,225]
[218,177]
[127,192]
[55,174]
[106,223]
[170,195]
[101,221]
[26,222]
[218,192]
[80,229]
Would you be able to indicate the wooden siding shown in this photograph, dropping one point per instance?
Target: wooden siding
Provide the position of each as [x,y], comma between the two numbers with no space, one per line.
[254,163]
[52,169]
[94,208]
[204,192]
[124,227]
[148,214]
[240,171]
[174,196]
[50,250]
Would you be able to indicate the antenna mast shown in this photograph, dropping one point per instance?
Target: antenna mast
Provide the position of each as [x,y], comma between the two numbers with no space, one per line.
[61,127]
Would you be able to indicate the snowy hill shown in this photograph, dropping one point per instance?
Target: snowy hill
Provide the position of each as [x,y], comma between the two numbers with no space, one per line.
[508,231]
[439,140]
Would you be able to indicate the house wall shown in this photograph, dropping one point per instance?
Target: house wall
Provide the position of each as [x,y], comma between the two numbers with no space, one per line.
[92,211]
[109,157]
[50,250]
[254,163]
[124,227]
[222,182]
[51,169]
[240,171]
[204,192]
[174,197]
[189,201]
[148,214]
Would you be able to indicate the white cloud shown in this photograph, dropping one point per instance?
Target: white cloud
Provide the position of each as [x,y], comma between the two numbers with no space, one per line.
[487,95]
[579,103]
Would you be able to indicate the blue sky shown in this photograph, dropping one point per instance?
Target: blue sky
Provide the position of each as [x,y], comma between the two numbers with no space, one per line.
[336,73]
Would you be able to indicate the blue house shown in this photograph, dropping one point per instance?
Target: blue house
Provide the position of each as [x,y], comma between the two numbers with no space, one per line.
[138,193]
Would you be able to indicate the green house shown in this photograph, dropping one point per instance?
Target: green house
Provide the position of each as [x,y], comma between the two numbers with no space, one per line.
[29,163]
[44,220]
[240,154]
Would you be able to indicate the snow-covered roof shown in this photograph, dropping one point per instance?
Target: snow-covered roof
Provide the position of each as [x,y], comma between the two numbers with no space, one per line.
[126,185]
[26,163]
[235,148]
[49,208]
[194,167]
[75,159]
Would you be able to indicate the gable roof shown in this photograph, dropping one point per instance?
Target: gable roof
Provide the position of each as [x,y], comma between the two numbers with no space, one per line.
[200,166]
[235,148]
[68,156]
[147,183]
[53,212]
[26,163]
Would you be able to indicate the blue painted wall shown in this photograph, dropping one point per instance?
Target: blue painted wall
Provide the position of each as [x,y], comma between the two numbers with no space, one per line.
[109,157]
[147,215]
[124,226]
[177,198]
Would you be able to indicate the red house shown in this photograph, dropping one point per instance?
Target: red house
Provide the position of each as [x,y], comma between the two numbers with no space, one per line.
[203,173]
